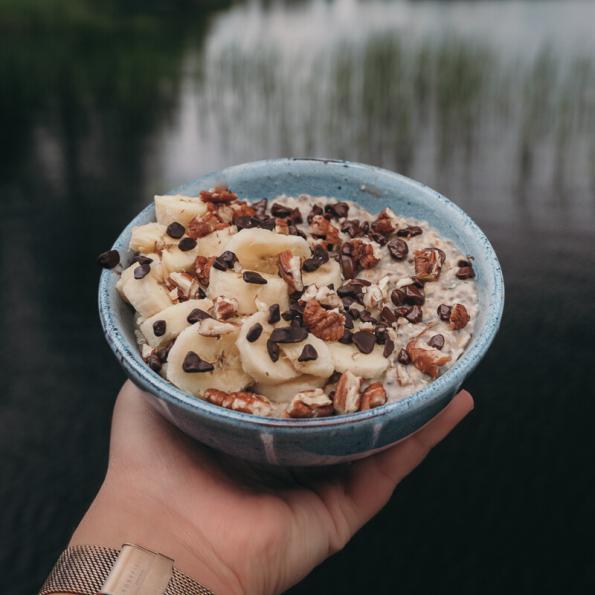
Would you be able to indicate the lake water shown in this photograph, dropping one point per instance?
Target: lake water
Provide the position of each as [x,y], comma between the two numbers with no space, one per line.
[492,103]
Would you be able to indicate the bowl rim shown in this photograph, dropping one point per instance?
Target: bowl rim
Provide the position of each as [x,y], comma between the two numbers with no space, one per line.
[424,397]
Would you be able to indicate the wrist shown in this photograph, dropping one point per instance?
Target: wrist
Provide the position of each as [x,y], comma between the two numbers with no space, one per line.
[120,515]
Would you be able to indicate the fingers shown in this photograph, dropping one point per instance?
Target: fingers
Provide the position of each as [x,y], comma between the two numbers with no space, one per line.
[373,480]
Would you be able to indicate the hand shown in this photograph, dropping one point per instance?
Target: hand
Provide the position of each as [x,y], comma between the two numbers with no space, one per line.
[231,525]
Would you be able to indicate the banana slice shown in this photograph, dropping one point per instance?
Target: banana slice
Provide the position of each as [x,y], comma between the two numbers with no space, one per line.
[255,358]
[322,366]
[329,272]
[175,321]
[144,238]
[216,242]
[281,393]
[231,284]
[219,351]
[183,209]
[147,296]
[174,259]
[257,249]
[366,365]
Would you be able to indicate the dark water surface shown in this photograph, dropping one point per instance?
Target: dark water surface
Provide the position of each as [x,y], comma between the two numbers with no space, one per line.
[492,103]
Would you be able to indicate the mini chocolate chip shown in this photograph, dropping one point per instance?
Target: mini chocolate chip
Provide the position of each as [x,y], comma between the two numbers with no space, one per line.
[197,315]
[201,293]
[387,315]
[142,259]
[159,327]
[186,244]
[193,364]
[436,341]
[398,249]
[273,350]
[444,312]
[278,210]
[364,341]
[164,351]
[274,314]
[254,332]
[141,271]
[175,230]
[463,263]
[294,297]
[410,231]
[265,222]
[348,289]
[347,266]
[337,210]
[348,320]
[260,206]
[253,277]
[347,337]
[311,264]
[245,222]
[296,216]
[347,301]
[295,231]
[219,264]
[403,357]
[308,354]
[351,227]
[287,315]
[331,286]
[289,334]
[465,272]
[389,347]
[316,210]
[225,261]
[377,237]
[414,295]
[381,335]
[320,253]
[365,316]
[415,315]
[154,362]
[109,259]
[333,378]
[397,297]
[354,313]
[402,311]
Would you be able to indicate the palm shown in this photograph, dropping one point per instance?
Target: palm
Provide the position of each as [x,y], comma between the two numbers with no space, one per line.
[268,527]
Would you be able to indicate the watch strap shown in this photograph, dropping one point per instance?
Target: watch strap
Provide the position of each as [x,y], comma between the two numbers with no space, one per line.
[84,569]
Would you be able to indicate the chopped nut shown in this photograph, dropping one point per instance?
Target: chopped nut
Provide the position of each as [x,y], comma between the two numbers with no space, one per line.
[218,397]
[224,307]
[373,297]
[328,325]
[361,252]
[202,269]
[242,209]
[385,223]
[373,396]
[219,194]
[459,317]
[347,397]
[426,360]
[310,403]
[323,228]
[323,295]
[209,327]
[428,263]
[290,270]
[403,377]
[202,226]
[185,284]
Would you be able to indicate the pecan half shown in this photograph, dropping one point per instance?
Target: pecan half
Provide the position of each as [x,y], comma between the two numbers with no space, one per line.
[202,269]
[290,270]
[200,227]
[219,194]
[239,401]
[347,398]
[224,307]
[323,228]
[428,263]
[459,317]
[310,403]
[373,396]
[327,325]
[426,360]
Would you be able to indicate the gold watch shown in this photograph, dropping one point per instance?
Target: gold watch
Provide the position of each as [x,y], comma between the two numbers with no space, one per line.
[132,570]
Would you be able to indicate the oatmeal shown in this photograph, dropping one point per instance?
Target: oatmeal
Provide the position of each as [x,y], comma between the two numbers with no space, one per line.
[297,307]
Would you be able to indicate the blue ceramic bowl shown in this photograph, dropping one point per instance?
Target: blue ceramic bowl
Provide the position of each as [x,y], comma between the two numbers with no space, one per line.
[326,440]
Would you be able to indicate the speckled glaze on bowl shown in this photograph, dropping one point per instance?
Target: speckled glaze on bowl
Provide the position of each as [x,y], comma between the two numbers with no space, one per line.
[327,440]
